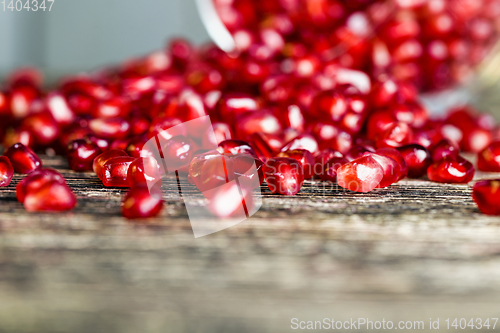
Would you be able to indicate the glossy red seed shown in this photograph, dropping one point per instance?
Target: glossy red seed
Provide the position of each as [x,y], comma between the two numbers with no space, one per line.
[35,181]
[115,171]
[178,152]
[329,168]
[81,155]
[303,141]
[451,170]
[110,128]
[402,169]
[357,151]
[134,148]
[257,122]
[101,143]
[52,196]
[326,155]
[395,135]
[139,203]
[235,147]
[42,126]
[417,158]
[144,170]
[233,105]
[445,149]
[361,175]
[304,157]
[6,171]
[489,159]
[476,139]
[329,105]
[391,170]
[284,175]
[486,194]
[221,132]
[101,160]
[23,159]
[228,202]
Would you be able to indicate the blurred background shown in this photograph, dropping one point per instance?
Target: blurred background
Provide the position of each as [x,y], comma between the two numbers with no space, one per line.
[83,35]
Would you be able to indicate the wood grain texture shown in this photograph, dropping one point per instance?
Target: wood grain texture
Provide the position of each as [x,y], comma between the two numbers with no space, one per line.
[410,252]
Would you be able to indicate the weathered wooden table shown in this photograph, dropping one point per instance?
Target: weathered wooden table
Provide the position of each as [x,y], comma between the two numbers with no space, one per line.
[415,251]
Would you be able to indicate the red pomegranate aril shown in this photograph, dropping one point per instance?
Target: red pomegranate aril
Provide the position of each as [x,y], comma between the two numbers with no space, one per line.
[81,155]
[395,135]
[115,171]
[417,158]
[52,196]
[284,175]
[178,152]
[361,175]
[326,155]
[451,170]
[42,126]
[303,141]
[476,139]
[257,122]
[220,132]
[120,144]
[101,160]
[402,169]
[167,127]
[99,142]
[486,195]
[304,157]
[391,170]
[232,105]
[357,151]
[139,203]
[23,159]
[489,159]
[261,146]
[112,108]
[445,149]
[35,180]
[144,170]
[134,148]
[6,171]
[60,109]
[328,106]
[235,147]
[228,202]
[110,128]
[330,168]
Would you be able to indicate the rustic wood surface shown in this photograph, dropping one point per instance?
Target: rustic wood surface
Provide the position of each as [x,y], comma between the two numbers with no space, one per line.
[414,251]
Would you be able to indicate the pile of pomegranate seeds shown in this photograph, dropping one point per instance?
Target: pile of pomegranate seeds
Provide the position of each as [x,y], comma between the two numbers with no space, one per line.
[433,43]
[281,113]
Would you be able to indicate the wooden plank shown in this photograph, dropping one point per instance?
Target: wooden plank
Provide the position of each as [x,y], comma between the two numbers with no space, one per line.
[411,252]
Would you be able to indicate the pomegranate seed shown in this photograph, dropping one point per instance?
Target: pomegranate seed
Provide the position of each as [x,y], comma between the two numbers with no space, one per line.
[489,158]
[42,126]
[222,133]
[284,175]
[395,135]
[357,151]
[326,155]
[257,122]
[103,144]
[52,196]
[235,147]
[402,167]
[81,155]
[115,171]
[134,148]
[178,152]
[23,159]
[449,170]
[139,203]
[304,157]
[228,202]
[328,106]
[144,170]
[232,105]
[445,149]
[303,141]
[6,171]
[330,168]
[101,160]
[361,175]
[35,180]
[391,170]
[486,194]
[417,158]
[111,128]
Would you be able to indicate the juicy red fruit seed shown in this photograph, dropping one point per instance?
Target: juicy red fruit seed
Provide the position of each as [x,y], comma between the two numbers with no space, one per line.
[6,171]
[100,160]
[331,167]
[361,175]
[453,171]
[417,158]
[489,159]
[304,157]
[143,171]
[52,196]
[81,155]
[115,172]
[139,203]
[391,168]
[35,180]
[395,135]
[284,175]
[235,147]
[402,170]
[178,152]
[23,159]
[445,149]
[486,194]
[228,201]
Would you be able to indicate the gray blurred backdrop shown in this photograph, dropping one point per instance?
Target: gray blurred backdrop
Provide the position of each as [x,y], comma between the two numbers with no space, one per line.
[80,35]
